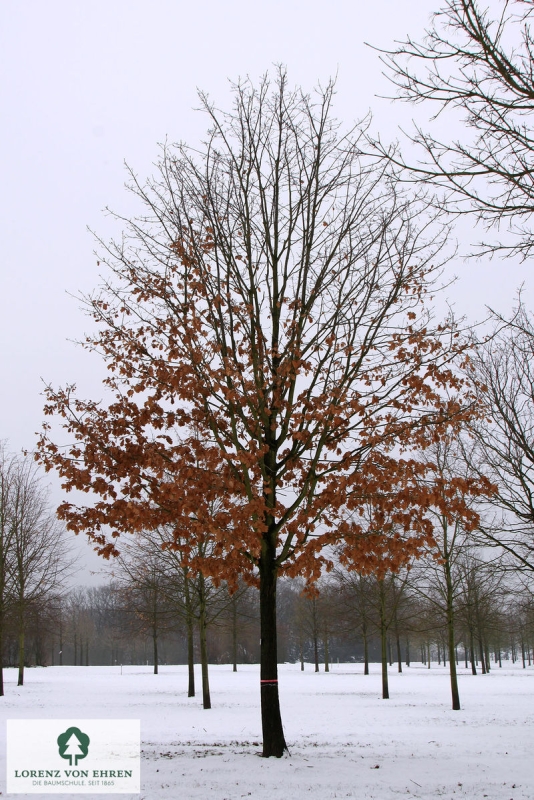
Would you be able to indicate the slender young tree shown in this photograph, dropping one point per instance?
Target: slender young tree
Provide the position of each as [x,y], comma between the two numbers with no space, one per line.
[8,470]
[269,348]
[40,560]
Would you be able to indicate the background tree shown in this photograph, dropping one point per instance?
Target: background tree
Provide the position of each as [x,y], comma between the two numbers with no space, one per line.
[268,348]
[8,473]
[439,577]
[39,558]
[141,578]
[475,65]
[502,448]
[357,612]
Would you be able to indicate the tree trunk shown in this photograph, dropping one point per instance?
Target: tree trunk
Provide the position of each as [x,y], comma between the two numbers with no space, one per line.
[1,657]
[407,652]
[482,658]
[202,623]
[365,649]
[455,692]
[20,681]
[399,654]
[383,642]
[155,647]
[487,655]
[274,743]
[190,639]
[315,634]
[326,653]
[234,633]
[472,653]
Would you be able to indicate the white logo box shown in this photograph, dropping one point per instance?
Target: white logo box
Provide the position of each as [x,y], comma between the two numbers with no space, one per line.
[99,756]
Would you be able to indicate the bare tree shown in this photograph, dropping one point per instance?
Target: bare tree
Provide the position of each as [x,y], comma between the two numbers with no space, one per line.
[38,556]
[143,582]
[355,596]
[503,449]
[8,472]
[475,66]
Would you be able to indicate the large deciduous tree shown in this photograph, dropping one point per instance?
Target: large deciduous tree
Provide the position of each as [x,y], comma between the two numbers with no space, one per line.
[270,356]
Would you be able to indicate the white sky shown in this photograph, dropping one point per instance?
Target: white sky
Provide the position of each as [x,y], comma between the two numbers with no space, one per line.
[87,85]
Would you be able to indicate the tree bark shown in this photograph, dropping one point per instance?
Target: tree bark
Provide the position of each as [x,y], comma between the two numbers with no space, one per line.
[155,647]
[455,692]
[472,654]
[399,654]
[383,642]
[234,633]
[365,649]
[20,681]
[274,743]
[202,624]
[326,652]
[190,639]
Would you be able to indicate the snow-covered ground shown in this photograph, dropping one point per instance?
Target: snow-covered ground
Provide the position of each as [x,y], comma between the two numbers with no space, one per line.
[344,740]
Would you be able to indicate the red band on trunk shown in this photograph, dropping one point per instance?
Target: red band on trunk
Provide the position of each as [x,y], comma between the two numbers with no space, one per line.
[273,681]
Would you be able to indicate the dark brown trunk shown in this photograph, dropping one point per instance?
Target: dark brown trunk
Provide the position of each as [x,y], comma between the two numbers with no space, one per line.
[190,639]
[383,642]
[20,681]
[274,743]
[234,633]
[455,692]
[155,647]
[315,634]
[472,654]
[365,651]
[203,624]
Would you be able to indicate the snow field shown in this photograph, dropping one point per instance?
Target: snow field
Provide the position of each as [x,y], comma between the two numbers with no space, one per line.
[344,740]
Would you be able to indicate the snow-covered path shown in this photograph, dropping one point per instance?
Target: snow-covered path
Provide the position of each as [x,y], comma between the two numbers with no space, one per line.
[345,741]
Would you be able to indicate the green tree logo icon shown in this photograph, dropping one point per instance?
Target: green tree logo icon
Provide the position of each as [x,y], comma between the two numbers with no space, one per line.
[73,744]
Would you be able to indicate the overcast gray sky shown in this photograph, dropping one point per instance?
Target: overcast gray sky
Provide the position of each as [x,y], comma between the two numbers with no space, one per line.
[87,85]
